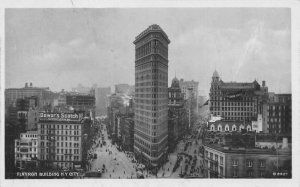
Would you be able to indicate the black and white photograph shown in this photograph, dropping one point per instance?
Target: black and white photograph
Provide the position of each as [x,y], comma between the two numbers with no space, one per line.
[180,93]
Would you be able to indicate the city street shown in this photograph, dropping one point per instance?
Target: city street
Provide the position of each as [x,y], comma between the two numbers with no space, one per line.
[120,164]
[192,151]
[117,164]
[185,162]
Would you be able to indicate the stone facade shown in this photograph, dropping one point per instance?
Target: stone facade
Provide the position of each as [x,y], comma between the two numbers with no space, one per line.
[151,95]
[225,162]
[235,101]
[60,143]
[177,117]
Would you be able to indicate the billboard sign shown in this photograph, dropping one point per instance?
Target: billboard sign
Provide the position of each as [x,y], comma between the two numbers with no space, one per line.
[235,95]
[45,116]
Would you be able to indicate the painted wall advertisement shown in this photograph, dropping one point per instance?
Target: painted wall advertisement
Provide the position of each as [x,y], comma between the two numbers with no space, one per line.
[44,116]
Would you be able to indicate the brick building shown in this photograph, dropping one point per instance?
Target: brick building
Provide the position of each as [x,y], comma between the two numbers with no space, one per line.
[128,133]
[43,94]
[190,92]
[177,115]
[26,149]
[280,114]
[60,140]
[27,113]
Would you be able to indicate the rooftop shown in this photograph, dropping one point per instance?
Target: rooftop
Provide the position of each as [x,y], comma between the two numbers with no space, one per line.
[151,28]
[242,150]
[216,74]
[30,88]
[239,85]
[228,122]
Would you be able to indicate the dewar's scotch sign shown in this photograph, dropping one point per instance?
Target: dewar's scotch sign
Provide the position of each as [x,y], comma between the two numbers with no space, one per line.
[44,116]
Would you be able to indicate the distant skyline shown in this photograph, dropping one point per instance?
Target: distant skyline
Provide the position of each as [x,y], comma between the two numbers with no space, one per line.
[60,48]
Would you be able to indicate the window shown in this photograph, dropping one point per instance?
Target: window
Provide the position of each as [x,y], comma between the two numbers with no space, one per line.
[216,157]
[262,163]
[262,173]
[249,163]
[235,162]
[235,173]
[221,160]
[211,155]
[221,171]
[250,173]
[211,164]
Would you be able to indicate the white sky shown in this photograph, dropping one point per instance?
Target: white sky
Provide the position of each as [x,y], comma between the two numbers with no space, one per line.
[60,48]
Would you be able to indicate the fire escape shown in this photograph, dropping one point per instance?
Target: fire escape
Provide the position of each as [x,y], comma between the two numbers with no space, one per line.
[52,141]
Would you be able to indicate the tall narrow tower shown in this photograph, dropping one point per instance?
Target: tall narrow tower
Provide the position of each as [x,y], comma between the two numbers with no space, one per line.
[151,95]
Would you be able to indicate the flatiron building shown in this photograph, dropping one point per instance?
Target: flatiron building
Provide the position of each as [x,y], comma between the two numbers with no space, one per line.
[151,95]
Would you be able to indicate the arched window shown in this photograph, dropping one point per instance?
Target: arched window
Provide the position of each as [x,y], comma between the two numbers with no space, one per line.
[219,127]
[226,127]
[241,127]
[212,127]
[248,128]
[233,127]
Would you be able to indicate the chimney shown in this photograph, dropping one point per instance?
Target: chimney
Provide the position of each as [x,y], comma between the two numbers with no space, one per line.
[31,84]
[26,85]
[263,83]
